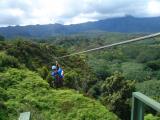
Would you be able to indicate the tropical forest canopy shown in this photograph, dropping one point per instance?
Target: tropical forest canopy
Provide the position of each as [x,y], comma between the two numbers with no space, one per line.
[97,85]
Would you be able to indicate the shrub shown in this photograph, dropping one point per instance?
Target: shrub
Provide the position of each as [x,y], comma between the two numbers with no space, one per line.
[72,79]
[135,71]
[116,93]
[31,93]
[150,88]
[151,117]
[8,61]
[3,111]
[154,65]
[43,72]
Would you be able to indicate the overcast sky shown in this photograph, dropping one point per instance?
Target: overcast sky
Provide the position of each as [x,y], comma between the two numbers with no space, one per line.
[25,12]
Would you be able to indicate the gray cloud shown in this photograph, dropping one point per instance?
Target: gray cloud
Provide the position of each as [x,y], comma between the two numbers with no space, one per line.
[119,7]
[25,12]
[8,20]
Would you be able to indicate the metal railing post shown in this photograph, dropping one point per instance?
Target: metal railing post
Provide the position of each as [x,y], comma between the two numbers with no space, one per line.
[140,110]
[137,109]
[139,101]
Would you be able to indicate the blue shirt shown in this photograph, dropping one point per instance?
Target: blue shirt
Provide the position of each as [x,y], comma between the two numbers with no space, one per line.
[59,73]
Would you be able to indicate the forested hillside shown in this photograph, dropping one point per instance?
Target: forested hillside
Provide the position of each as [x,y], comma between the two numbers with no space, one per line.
[97,85]
[137,62]
[126,24]
[23,85]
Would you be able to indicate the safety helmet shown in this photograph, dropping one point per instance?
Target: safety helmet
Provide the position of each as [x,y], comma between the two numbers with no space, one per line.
[54,67]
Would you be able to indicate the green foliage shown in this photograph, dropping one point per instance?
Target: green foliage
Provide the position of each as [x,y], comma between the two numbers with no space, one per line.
[139,61]
[27,91]
[50,80]
[148,55]
[2,38]
[35,56]
[154,65]
[151,117]
[100,68]
[71,79]
[85,73]
[8,61]
[43,72]
[135,71]
[3,111]
[95,91]
[116,93]
[89,39]
[32,55]
[3,93]
[150,88]
[158,75]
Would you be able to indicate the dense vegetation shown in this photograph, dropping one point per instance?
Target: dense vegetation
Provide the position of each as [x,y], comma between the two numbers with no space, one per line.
[23,90]
[137,62]
[108,76]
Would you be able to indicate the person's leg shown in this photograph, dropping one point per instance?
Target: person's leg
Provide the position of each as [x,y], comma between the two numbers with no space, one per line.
[60,82]
[56,83]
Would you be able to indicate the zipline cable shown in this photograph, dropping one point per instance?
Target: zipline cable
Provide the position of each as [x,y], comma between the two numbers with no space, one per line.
[114,44]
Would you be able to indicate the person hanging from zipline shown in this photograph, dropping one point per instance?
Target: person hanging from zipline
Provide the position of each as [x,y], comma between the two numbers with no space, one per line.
[58,75]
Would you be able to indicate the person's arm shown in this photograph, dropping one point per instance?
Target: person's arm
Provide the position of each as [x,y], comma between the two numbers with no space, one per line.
[57,65]
[52,74]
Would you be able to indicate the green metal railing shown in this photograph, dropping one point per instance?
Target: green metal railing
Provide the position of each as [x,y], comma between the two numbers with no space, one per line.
[139,101]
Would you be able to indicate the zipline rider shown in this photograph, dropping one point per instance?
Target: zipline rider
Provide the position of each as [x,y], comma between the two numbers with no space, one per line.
[58,75]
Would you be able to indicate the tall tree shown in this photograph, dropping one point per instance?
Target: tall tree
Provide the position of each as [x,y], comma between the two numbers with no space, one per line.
[116,93]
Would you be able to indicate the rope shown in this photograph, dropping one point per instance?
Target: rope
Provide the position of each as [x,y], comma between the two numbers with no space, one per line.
[114,44]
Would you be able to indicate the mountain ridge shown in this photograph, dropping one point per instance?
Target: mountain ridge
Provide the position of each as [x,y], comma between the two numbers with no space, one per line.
[127,24]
